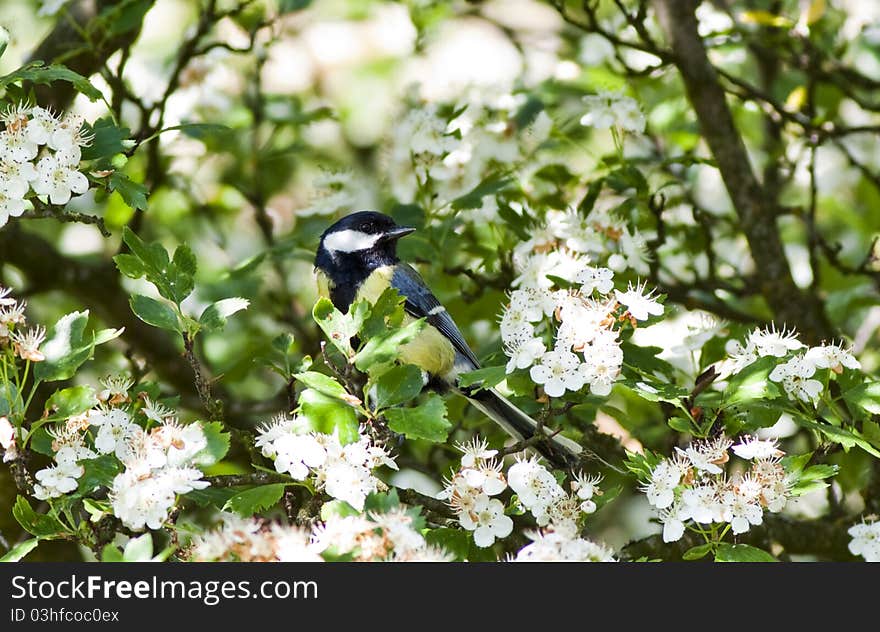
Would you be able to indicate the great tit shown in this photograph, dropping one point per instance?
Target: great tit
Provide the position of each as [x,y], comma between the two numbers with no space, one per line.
[357,259]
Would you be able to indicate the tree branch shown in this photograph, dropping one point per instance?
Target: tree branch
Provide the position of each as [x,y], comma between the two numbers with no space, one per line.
[755,209]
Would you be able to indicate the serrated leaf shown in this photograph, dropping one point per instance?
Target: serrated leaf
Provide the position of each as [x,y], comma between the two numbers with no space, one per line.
[375,318]
[679,424]
[697,552]
[107,139]
[866,396]
[20,550]
[426,421]
[385,347]
[213,496]
[134,194]
[98,473]
[383,502]
[327,385]
[255,500]
[71,401]
[215,315]
[742,553]
[752,383]
[38,73]
[329,415]
[155,313]
[65,348]
[218,444]
[399,384]
[40,525]
[338,327]
[130,266]
[456,542]
[844,436]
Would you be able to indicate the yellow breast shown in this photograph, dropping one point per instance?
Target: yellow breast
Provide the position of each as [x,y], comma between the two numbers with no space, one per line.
[429,350]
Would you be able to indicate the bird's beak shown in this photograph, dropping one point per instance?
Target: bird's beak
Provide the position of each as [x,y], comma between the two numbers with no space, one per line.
[398,232]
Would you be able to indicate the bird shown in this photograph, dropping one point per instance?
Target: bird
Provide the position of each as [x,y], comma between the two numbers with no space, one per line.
[357,259]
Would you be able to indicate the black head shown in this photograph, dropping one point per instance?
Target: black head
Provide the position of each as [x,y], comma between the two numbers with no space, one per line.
[362,242]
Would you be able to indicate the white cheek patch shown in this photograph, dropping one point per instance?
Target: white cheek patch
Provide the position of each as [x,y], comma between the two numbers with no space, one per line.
[350,241]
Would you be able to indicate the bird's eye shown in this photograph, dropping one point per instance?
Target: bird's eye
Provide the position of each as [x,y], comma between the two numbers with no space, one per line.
[367,227]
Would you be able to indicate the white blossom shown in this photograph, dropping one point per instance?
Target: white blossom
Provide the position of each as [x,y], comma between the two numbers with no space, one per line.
[640,305]
[58,180]
[865,540]
[57,480]
[595,279]
[553,546]
[487,521]
[753,448]
[558,372]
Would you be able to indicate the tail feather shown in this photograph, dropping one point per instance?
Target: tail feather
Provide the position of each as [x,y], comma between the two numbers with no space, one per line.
[559,450]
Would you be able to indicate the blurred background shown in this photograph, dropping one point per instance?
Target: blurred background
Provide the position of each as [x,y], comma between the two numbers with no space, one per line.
[308,110]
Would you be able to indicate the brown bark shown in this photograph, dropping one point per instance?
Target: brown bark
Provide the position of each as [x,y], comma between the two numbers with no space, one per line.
[754,206]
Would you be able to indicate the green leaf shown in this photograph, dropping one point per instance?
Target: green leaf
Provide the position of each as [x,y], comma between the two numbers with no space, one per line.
[139,549]
[399,384]
[21,549]
[155,313]
[454,541]
[487,377]
[328,415]
[742,553]
[641,464]
[213,496]
[866,396]
[108,139]
[679,424]
[134,194]
[426,421]
[98,472]
[697,552]
[338,327]
[489,186]
[130,266]
[201,131]
[844,436]
[386,311]
[382,502]
[215,315]
[218,444]
[40,525]
[111,553]
[812,479]
[255,500]
[174,278]
[124,16]
[38,73]
[337,509]
[71,401]
[752,383]
[289,6]
[64,348]
[589,201]
[385,347]
[326,385]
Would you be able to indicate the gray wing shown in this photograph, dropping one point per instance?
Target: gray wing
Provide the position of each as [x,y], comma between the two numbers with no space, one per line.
[421,303]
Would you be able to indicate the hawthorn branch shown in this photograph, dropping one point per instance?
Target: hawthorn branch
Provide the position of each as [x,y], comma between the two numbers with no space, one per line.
[754,207]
